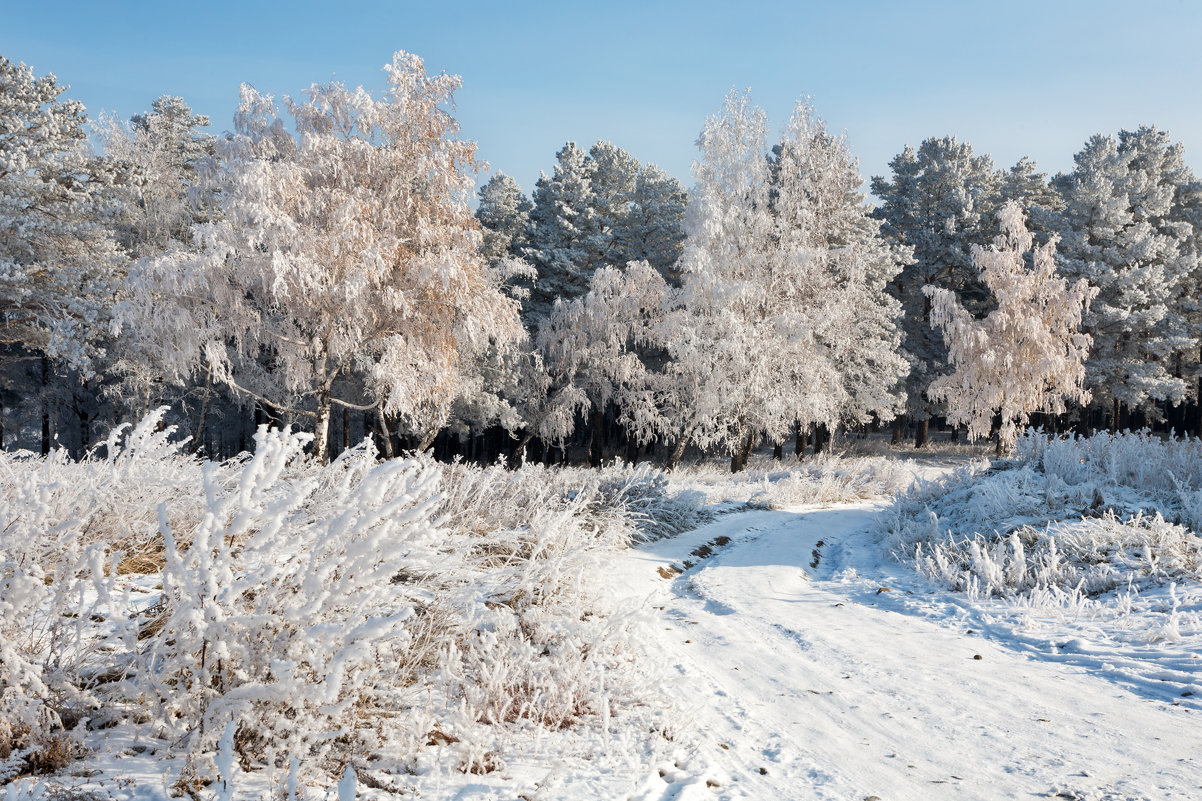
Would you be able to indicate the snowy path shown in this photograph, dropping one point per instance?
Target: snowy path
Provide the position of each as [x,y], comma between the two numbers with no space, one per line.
[815,682]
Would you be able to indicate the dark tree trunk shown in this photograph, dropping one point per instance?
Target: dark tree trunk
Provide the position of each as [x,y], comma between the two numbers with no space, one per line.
[203,416]
[822,438]
[921,431]
[899,429]
[517,457]
[738,460]
[678,451]
[45,406]
[799,447]
[596,443]
[346,428]
[778,452]
[383,435]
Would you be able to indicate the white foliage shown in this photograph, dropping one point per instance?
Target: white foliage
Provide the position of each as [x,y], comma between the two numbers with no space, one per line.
[347,246]
[1074,517]
[780,315]
[59,267]
[1027,354]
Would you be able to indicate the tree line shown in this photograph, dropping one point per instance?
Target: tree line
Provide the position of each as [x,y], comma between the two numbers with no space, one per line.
[321,265]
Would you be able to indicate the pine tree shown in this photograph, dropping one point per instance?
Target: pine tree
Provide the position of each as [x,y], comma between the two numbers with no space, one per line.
[614,175]
[561,227]
[1027,354]
[936,203]
[654,228]
[504,213]
[1032,191]
[1123,231]
[61,267]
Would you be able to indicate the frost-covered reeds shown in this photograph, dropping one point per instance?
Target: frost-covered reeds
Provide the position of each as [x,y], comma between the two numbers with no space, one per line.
[275,615]
[358,610]
[1075,516]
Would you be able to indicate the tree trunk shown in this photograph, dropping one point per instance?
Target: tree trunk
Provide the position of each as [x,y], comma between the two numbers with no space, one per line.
[799,447]
[738,459]
[821,438]
[678,451]
[321,429]
[1198,411]
[921,430]
[383,434]
[1115,409]
[346,428]
[517,457]
[596,444]
[899,429]
[632,450]
[778,452]
[202,417]
[45,406]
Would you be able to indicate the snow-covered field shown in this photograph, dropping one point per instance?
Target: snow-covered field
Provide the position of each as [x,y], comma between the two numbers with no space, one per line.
[619,634]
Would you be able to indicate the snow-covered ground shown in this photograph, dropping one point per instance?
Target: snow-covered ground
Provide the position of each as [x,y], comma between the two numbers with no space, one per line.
[787,654]
[805,663]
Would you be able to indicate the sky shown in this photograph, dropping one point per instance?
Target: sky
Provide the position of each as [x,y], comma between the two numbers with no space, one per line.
[1013,79]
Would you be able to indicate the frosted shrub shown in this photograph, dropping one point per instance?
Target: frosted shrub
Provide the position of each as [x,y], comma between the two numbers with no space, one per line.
[316,614]
[283,614]
[1081,516]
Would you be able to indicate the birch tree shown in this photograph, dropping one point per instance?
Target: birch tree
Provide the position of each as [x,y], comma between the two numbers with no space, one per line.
[346,245]
[1026,355]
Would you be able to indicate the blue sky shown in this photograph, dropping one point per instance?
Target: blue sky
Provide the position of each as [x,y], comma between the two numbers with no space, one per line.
[1013,79]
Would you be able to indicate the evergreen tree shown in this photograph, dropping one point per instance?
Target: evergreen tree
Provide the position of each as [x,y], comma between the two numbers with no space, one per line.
[654,228]
[1124,231]
[504,214]
[614,174]
[59,264]
[1034,194]
[936,203]
[561,226]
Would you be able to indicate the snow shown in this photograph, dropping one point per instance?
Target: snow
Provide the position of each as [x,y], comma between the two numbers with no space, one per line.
[857,678]
[786,653]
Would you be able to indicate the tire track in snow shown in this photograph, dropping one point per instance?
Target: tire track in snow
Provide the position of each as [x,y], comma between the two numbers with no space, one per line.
[798,687]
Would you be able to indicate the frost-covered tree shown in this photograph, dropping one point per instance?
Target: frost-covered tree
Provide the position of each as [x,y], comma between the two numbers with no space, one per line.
[1122,229]
[59,265]
[937,202]
[345,247]
[561,225]
[155,160]
[654,229]
[1032,191]
[591,348]
[614,175]
[1028,354]
[504,213]
[773,276]
[821,210]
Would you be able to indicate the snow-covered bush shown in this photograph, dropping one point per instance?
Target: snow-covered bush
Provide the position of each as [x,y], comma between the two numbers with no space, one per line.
[321,611]
[1081,516]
